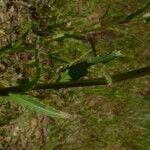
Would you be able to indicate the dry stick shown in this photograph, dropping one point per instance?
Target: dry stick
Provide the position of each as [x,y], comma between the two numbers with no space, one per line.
[82,83]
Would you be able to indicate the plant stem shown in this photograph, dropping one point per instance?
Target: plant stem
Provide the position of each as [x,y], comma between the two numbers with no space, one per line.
[82,83]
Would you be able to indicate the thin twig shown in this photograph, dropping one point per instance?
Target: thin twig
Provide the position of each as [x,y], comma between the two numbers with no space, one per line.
[82,83]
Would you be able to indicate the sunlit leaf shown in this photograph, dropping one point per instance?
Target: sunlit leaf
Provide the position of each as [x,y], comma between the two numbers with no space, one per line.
[146,17]
[33,104]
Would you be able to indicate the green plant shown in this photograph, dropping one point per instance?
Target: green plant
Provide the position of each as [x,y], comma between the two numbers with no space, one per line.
[70,75]
[89,59]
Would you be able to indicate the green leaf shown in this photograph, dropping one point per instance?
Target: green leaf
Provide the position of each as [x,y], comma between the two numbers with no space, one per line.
[64,77]
[135,14]
[104,58]
[33,104]
[146,17]
[80,69]
[74,72]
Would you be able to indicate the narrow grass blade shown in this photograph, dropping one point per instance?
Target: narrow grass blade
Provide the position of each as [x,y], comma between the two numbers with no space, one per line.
[63,36]
[135,14]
